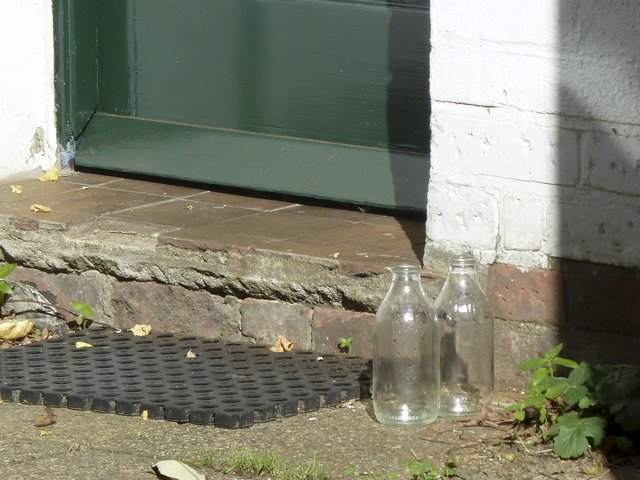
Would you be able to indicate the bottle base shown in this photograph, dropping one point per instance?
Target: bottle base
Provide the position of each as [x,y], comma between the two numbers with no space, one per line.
[460,406]
[396,414]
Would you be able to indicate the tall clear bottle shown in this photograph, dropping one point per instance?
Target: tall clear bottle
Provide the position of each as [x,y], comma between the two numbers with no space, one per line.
[406,371]
[465,320]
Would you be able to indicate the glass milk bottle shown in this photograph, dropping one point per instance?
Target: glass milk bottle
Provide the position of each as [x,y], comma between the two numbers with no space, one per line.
[405,353]
[465,320]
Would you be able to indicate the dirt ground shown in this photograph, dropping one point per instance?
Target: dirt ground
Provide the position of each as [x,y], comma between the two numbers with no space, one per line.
[82,444]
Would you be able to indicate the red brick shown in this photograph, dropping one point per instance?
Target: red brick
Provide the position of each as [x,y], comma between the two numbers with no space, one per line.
[604,299]
[534,295]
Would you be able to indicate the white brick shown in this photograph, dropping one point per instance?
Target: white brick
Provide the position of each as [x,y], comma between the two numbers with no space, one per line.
[462,215]
[594,226]
[482,76]
[479,145]
[613,162]
[611,27]
[523,222]
[504,21]
[599,87]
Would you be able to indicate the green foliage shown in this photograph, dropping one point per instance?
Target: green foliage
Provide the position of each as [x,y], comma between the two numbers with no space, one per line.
[415,470]
[571,433]
[344,344]
[426,470]
[575,410]
[349,471]
[255,464]
[83,311]
[5,289]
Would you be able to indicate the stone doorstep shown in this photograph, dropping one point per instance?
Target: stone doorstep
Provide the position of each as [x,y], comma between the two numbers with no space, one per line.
[255,295]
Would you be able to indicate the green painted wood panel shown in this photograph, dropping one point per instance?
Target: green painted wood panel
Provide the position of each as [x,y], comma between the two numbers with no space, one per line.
[355,175]
[349,73]
[343,72]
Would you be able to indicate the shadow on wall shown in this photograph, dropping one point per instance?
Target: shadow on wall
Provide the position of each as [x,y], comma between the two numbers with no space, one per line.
[599,199]
[409,110]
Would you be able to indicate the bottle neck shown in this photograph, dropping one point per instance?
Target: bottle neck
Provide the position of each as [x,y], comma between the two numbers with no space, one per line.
[405,272]
[405,280]
[462,265]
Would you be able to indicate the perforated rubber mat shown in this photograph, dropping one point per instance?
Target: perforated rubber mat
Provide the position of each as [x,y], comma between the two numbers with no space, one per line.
[183,379]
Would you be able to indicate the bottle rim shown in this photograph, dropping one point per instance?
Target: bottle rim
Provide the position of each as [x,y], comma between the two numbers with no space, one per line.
[462,261]
[405,268]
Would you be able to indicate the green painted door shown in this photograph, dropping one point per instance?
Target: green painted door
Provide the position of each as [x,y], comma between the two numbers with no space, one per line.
[76,24]
[319,98]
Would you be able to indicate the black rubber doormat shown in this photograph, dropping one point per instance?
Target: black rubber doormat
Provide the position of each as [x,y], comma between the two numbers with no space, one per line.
[182,379]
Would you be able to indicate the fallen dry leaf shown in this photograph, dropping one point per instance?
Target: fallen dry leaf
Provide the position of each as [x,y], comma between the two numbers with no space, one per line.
[45,433]
[17,189]
[83,345]
[282,345]
[46,420]
[35,208]
[141,330]
[176,470]
[191,354]
[347,404]
[490,418]
[336,255]
[50,175]
[15,329]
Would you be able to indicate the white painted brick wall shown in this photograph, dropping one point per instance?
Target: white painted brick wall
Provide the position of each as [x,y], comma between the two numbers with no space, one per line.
[536,130]
[503,143]
[27,105]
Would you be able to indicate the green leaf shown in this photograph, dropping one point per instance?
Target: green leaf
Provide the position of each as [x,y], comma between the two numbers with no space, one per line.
[513,407]
[573,432]
[575,394]
[555,391]
[580,375]
[554,352]
[586,402]
[82,309]
[576,388]
[531,364]
[570,443]
[535,401]
[6,269]
[5,288]
[594,427]
[539,375]
[565,362]
[543,414]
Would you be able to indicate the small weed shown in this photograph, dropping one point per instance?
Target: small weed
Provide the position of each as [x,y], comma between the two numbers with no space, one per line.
[349,471]
[256,464]
[5,289]
[426,470]
[344,344]
[83,311]
[415,470]
[580,409]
